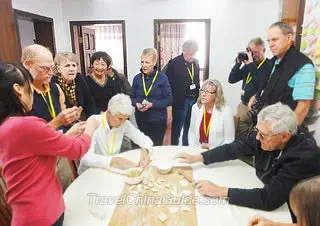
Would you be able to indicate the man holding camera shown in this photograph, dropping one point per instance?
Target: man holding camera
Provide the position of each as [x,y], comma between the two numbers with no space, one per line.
[255,67]
[292,78]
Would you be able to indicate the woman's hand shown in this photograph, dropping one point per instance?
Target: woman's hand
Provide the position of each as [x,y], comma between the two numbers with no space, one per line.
[76,130]
[261,221]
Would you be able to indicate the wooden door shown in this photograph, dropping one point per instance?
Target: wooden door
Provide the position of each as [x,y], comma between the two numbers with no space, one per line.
[44,34]
[89,46]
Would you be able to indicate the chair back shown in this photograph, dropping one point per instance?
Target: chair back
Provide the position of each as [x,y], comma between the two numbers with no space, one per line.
[5,209]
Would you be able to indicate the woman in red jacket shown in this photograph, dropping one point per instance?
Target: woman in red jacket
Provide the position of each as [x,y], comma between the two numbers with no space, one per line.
[29,151]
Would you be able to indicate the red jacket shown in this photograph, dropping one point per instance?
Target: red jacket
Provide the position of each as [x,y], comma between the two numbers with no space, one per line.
[28,155]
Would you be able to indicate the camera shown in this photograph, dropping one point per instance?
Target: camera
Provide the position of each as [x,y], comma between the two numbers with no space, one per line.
[242,56]
[254,111]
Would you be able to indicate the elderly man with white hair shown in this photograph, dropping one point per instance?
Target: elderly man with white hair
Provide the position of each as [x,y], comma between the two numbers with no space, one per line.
[284,155]
[107,139]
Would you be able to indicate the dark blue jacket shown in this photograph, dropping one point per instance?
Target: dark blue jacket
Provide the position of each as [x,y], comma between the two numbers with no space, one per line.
[160,96]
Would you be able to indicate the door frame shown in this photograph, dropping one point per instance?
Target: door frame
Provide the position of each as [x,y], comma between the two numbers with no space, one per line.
[156,28]
[34,18]
[92,22]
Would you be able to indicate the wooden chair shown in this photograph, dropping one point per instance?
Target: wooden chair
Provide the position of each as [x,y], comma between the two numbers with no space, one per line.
[5,210]
[74,165]
[236,123]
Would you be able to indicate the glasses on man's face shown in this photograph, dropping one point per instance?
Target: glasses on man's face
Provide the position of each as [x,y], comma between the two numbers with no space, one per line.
[44,68]
[207,91]
[264,136]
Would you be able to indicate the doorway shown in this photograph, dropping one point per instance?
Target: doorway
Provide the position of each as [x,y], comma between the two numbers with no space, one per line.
[35,29]
[87,37]
[169,36]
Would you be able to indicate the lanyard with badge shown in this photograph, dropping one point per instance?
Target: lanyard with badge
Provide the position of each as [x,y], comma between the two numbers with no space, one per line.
[191,74]
[206,128]
[109,148]
[50,106]
[249,77]
[147,91]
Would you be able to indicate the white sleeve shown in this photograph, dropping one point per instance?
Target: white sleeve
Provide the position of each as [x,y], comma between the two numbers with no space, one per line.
[228,126]
[191,134]
[92,159]
[137,136]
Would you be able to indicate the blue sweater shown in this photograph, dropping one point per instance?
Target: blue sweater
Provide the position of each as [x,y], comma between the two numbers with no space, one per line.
[160,96]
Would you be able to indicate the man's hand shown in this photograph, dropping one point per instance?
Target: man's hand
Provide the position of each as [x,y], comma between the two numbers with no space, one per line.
[144,158]
[67,116]
[122,163]
[251,102]
[261,221]
[207,188]
[250,58]
[76,130]
[187,158]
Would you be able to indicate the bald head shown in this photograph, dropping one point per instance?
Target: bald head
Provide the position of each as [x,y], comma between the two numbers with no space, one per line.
[34,51]
[38,60]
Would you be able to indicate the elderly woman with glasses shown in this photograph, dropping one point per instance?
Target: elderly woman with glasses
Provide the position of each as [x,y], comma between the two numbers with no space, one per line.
[73,84]
[211,119]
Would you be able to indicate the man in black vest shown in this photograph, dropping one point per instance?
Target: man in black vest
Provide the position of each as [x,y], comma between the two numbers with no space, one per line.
[285,154]
[292,78]
[183,75]
[254,68]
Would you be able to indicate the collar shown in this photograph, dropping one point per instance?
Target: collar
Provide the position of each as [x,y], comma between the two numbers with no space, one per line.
[153,73]
[47,89]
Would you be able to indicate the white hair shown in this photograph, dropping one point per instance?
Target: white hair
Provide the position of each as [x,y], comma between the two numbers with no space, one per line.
[190,45]
[282,118]
[120,104]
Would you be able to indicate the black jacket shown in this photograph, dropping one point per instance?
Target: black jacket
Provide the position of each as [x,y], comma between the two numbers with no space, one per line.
[180,80]
[300,159]
[83,95]
[241,74]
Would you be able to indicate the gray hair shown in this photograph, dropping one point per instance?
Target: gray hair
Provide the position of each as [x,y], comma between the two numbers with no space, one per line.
[152,52]
[281,116]
[190,45]
[32,51]
[219,98]
[61,58]
[120,104]
[257,41]
[284,27]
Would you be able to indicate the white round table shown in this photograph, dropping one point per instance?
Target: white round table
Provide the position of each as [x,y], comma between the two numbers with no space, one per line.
[104,187]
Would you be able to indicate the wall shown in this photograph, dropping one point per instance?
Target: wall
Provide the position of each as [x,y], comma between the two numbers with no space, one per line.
[48,8]
[26,32]
[233,23]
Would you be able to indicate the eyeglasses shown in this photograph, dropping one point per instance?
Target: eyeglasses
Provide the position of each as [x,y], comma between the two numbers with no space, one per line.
[264,136]
[207,91]
[44,68]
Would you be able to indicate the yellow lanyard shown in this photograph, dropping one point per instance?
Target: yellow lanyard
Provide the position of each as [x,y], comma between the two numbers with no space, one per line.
[191,73]
[146,92]
[206,128]
[249,77]
[109,150]
[50,106]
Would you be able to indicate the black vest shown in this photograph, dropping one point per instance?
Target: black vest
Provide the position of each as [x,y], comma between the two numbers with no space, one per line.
[276,88]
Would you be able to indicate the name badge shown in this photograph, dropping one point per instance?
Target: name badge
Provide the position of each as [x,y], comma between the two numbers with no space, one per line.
[144,102]
[192,86]
[242,92]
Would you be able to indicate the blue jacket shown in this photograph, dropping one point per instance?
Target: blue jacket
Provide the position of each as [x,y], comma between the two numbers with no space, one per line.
[160,96]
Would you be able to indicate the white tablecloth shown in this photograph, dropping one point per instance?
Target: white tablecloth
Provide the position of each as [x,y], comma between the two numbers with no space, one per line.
[102,187]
